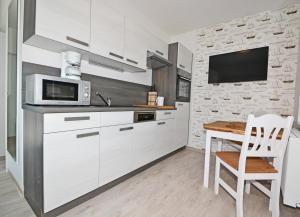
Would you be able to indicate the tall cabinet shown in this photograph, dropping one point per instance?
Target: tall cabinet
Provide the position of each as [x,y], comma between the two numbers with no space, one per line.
[166,83]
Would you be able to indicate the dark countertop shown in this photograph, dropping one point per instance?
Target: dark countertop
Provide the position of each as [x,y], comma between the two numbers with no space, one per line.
[74,109]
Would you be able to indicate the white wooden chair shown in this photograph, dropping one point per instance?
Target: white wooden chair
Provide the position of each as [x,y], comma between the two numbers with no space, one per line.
[251,163]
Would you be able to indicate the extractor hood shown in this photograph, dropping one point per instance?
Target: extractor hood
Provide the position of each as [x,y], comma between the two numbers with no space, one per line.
[155,61]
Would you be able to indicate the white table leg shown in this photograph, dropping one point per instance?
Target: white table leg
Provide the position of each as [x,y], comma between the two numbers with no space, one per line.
[219,148]
[207,158]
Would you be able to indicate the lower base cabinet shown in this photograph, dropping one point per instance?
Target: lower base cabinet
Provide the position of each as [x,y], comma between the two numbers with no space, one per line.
[165,141]
[124,148]
[71,165]
[182,124]
[115,153]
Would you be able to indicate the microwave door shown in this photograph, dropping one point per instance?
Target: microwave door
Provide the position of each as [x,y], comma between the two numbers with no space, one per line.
[59,92]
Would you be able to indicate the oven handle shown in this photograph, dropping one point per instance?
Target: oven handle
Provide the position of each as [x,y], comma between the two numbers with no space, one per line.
[183,78]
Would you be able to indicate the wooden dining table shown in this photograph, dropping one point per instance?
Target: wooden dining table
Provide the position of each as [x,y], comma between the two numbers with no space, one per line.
[222,130]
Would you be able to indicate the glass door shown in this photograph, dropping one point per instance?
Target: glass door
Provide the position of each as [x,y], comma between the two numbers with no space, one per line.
[12,35]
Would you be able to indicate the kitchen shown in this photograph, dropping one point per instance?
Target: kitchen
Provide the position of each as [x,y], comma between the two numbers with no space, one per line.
[105,90]
[110,120]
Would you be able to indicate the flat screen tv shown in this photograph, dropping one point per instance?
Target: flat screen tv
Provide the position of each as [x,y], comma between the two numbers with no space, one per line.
[241,66]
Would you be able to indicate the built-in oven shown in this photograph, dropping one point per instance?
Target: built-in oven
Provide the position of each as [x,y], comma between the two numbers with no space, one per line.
[183,86]
[51,90]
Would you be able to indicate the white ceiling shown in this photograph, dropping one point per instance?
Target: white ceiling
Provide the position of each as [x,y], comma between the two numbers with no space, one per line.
[175,16]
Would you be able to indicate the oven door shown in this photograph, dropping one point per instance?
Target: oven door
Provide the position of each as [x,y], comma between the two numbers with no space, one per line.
[60,92]
[183,89]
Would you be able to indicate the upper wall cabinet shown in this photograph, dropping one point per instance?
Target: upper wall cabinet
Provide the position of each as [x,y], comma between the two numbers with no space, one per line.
[157,46]
[135,45]
[64,21]
[115,37]
[107,32]
[184,58]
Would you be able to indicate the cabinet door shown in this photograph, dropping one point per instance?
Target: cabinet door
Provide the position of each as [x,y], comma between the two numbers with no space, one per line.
[182,123]
[66,21]
[135,45]
[165,133]
[71,166]
[185,58]
[157,46]
[143,144]
[115,152]
[107,31]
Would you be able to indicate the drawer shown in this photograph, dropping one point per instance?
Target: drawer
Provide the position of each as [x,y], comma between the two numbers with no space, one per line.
[116,118]
[57,122]
[167,114]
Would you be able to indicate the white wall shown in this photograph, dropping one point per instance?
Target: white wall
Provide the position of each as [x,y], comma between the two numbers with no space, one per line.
[2,94]
[235,101]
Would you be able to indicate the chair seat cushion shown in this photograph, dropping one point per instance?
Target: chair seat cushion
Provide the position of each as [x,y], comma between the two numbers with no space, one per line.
[253,164]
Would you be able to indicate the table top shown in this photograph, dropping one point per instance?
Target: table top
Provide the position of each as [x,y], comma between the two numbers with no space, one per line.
[226,126]
[231,127]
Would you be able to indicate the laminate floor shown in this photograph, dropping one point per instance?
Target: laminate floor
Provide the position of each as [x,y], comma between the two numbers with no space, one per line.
[171,188]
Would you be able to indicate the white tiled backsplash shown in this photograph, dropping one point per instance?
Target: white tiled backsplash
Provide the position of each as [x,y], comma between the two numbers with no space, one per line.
[234,101]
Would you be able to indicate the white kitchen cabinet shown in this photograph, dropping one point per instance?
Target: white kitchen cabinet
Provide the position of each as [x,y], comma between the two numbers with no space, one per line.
[184,58]
[107,31]
[143,144]
[165,114]
[182,124]
[116,118]
[157,45]
[135,45]
[65,21]
[58,122]
[71,165]
[115,152]
[165,138]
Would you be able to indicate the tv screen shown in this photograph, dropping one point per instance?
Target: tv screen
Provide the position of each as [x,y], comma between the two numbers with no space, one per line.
[245,65]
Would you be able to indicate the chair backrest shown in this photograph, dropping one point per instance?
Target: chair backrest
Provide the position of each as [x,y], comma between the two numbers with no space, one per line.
[266,136]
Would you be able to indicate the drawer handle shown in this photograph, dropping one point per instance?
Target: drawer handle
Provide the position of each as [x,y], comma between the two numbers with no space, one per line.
[77,41]
[87,135]
[132,61]
[182,66]
[159,52]
[126,128]
[161,123]
[116,55]
[168,113]
[180,104]
[84,118]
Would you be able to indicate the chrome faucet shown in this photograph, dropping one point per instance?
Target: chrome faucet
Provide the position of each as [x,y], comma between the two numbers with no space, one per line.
[107,101]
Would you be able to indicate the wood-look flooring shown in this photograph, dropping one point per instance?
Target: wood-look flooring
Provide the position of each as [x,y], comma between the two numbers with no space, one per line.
[171,188]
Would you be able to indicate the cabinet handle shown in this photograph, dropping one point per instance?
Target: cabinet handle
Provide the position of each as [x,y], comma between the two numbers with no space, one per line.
[180,104]
[116,55]
[161,123]
[126,128]
[182,66]
[168,113]
[132,61]
[77,41]
[84,118]
[78,136]
[159,52]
